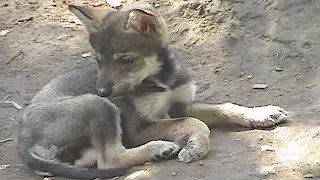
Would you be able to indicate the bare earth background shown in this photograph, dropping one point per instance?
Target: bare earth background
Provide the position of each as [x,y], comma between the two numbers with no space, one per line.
[229,45]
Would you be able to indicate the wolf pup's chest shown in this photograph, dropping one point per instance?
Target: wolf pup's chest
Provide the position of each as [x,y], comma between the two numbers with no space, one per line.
[156,105]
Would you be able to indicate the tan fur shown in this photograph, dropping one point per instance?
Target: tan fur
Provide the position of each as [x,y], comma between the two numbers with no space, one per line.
[141,82]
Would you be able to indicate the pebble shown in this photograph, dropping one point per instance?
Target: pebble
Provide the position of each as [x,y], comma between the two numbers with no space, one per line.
[278,69]
[4,166]
[84,55]
[260,137]
[200,163]
[259,86]
[249,76]
[4,32]
[174,174]
[265,170]
[267,148]
[309,175]
[114,3]
[26,19]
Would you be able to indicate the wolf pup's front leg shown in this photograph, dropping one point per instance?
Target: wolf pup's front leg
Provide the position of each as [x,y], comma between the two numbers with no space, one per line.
[256,117]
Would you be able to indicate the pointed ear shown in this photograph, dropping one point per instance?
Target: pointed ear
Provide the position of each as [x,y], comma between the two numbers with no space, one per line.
[90,17]
[146,20]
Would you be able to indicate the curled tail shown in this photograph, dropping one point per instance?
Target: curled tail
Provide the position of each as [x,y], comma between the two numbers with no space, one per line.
[66,170]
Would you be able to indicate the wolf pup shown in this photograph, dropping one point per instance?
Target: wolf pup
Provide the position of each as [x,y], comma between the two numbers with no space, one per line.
[133,106]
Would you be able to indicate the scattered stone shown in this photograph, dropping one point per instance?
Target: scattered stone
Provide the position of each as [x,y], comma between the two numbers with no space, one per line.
[114,3]
[46,178]
[157,5]
[174,174]
[88,54]
[249,76]
[97,4]
[267,148]
[26,19]
[278,69]
[259,86]
[203,62]
[309,175]
[306,45]
[265,170]
[33,1]
[4,32]
[4,166]
[200,163]
[260,137]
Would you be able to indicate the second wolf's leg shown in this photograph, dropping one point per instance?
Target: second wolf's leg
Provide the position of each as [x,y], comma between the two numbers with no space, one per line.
[257,117]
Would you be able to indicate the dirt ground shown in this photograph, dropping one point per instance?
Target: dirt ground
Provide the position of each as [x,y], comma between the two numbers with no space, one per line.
[228,45]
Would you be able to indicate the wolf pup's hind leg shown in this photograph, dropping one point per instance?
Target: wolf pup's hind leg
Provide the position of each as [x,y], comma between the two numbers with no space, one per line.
[47,129]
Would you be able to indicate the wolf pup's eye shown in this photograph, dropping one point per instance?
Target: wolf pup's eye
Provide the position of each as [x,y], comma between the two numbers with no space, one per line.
[127,60]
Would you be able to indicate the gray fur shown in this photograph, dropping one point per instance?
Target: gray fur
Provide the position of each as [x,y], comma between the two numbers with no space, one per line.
[67,116]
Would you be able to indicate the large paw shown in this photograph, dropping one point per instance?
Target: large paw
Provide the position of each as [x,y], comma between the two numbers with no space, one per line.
[163,149]
[196,149]
[266,116]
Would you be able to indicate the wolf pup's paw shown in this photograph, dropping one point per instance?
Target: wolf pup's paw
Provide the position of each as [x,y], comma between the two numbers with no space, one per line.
[163,149]
[196,149]
[266,116]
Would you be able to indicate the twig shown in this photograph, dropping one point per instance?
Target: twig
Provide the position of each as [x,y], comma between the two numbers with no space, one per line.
[5,98]
[6,140]
[20,53]
[14,104]
[278,54]
[259,36]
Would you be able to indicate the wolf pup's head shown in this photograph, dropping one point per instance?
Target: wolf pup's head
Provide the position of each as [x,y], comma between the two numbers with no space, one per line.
[126,43]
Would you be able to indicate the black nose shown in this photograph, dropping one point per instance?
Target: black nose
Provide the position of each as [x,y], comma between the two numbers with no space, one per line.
[104,92]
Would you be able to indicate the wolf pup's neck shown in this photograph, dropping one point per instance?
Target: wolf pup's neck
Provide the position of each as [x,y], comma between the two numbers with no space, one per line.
[173,72]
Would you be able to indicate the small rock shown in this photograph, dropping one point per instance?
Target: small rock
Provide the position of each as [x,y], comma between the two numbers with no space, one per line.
[249,76]
[203,62]
[306,45]
[309,175]
[278,69]
[4,32]
[174,174]
[267,148]
[97,4]
[4,166]
[114,3]
[200,163]
[33,1]
[260,137]
[46,178]
[259,86]
[157,5]
[265,170]
[88,54]
[26,19]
